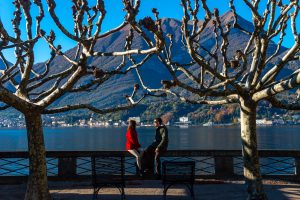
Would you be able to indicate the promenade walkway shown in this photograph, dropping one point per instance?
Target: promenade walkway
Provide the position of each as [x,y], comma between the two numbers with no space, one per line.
[152,190]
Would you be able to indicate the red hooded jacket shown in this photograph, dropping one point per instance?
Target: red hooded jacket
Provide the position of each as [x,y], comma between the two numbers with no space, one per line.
[132,141]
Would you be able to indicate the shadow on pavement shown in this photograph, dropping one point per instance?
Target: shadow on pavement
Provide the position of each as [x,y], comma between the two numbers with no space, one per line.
[152,190]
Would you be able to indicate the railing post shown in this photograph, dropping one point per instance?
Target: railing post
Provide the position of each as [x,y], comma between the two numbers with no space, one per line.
[224,167]
[297,168]
[67,167]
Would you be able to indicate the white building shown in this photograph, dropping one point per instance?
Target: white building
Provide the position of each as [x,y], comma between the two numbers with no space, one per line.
[183,119]
[116,124]
[263,122]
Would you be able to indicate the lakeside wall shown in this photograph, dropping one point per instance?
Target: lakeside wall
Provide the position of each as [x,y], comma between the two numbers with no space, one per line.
[213,164]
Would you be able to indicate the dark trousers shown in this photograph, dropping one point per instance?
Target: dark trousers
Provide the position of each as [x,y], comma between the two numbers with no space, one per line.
[148,157]
[157,165]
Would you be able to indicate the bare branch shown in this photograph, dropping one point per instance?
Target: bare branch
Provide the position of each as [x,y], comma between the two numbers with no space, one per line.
[44,94]
[40,16]
[102,76]
[282,28]
[46,71]
[9,69]
[58,92]
[100,7]
[51,8]
[89,107]
[14,101]
[131,104]
[26,8]
[64,73]
[283,105]
[88,87]
[235,24]
[129,52]
[290,82]
[225,43]
[228,100]
[271,12]
[121,26]
[272,73]
[282,14]
[58,49]
[135,65]
[17,19]
[255,62]
[254,11]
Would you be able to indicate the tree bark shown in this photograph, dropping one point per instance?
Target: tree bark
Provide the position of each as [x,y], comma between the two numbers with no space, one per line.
[37,186]
[250,154]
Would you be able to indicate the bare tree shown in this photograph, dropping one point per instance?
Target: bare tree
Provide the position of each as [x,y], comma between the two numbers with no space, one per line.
[252,75]
[23,83]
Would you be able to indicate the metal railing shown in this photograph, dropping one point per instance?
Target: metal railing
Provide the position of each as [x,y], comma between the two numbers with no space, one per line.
[63,165]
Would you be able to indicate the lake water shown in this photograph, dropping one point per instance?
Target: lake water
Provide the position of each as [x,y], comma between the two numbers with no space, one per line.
[93,139]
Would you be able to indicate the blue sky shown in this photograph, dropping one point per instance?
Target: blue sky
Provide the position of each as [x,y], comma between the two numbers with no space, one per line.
[115,15]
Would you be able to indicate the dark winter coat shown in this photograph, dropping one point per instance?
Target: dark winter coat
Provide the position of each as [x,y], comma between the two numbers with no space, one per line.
[161,138]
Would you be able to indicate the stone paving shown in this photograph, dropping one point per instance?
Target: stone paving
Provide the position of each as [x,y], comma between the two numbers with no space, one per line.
[152,190]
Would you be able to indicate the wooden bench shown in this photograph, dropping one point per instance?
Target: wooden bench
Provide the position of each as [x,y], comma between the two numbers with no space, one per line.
[178,172]
[108,171]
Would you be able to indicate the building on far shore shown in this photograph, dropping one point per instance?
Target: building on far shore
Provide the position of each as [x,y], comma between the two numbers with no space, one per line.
[296,117]
[264,122]
[184,122]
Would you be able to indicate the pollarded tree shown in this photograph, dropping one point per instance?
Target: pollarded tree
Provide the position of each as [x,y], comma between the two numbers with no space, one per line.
[258,70]
[33,88]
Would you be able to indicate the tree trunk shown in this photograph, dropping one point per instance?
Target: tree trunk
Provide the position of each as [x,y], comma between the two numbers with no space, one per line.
[37,186]
[250,154]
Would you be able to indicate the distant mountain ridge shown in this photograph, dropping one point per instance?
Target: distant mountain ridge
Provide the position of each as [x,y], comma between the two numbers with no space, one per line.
[112,92]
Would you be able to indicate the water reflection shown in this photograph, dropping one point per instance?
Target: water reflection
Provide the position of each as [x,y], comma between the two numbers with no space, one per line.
[77,139]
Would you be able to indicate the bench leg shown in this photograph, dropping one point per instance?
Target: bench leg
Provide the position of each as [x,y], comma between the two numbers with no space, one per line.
[165,192]
[95,195]
[166,187]
[193,194]
[191,188]
[123,194]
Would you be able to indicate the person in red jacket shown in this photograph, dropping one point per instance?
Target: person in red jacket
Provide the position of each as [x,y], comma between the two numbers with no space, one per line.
[132,143]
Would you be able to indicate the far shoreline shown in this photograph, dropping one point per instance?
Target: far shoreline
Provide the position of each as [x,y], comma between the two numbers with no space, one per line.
[172,126]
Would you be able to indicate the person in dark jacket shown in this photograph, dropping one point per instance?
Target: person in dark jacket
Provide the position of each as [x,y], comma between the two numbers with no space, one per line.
[159,145]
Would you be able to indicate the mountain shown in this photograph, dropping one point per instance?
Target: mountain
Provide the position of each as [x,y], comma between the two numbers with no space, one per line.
[112,92]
